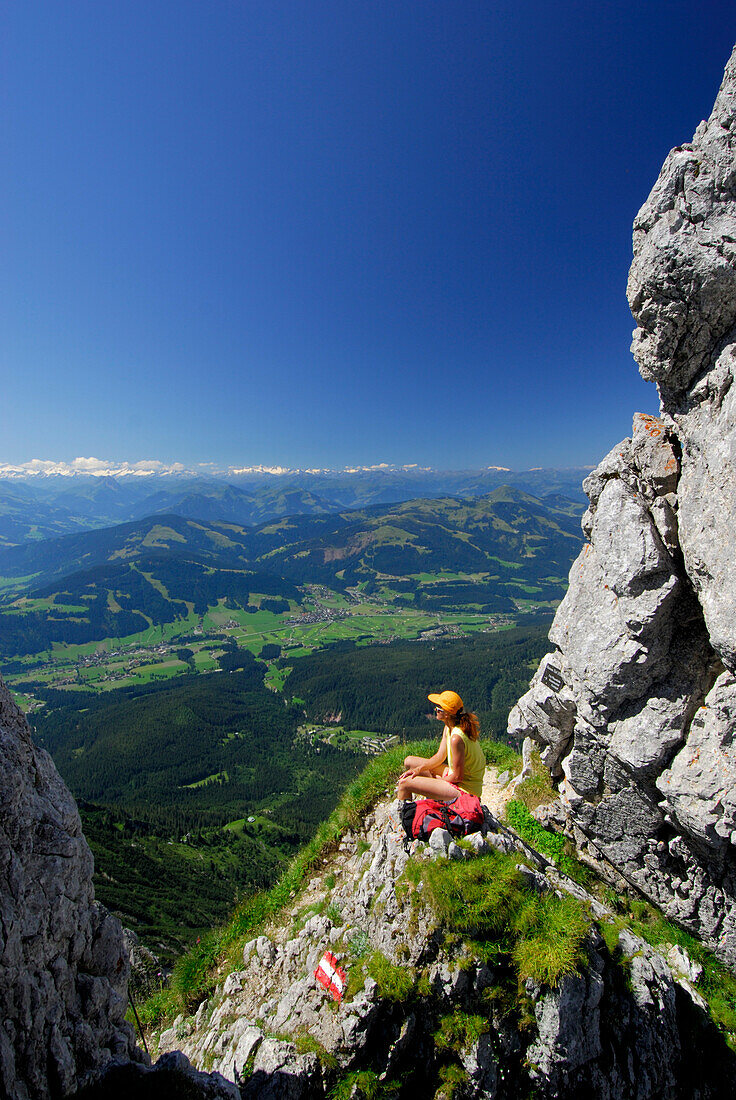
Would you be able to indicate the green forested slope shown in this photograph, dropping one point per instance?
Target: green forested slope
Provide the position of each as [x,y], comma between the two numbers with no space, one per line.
[215,748]
[171,885]
[123,598]
[384,688]
[171,856]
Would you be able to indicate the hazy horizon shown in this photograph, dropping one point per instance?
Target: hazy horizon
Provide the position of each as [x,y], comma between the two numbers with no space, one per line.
[155,468]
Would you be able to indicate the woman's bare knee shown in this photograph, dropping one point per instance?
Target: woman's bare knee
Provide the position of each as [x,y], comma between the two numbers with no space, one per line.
[427,787]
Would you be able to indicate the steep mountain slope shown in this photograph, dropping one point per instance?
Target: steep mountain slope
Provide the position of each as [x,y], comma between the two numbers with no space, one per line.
[24,517]
[454,984]
[170,535]
[63,969]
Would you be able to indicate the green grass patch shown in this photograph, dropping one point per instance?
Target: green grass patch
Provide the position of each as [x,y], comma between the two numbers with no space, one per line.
[459,1031]
[501,756]
[208,779]
[453,1082]
[363,1085]
[395,983]
[162,1005]
[550,844]
[536,789]
[488,902]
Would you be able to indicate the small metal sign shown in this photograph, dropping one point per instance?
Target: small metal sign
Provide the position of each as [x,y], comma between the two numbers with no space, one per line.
[551,677]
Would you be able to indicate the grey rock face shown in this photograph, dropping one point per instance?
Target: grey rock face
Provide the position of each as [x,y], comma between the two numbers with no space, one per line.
[705,422]
[682,292]
[637,724]
[279,1073]
[63,963]
[699,787]
[145,968]
[637,721]
[682,284]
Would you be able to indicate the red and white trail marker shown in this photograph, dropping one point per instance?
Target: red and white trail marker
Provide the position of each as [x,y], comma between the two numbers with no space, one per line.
[331,976]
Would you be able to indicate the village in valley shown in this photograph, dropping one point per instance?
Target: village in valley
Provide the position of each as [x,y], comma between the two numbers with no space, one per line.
[194,645]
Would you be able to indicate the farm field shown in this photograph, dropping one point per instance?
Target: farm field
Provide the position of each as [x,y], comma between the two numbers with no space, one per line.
[194,643]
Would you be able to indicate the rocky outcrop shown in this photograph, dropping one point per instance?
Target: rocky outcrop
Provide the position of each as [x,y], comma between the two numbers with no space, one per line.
[622,1028]
[635,710]
[682,292]
[63,965]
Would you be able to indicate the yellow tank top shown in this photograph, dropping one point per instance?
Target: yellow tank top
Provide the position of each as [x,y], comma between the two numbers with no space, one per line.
[475,763]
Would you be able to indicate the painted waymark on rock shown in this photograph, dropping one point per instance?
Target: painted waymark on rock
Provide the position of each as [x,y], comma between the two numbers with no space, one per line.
[331,976]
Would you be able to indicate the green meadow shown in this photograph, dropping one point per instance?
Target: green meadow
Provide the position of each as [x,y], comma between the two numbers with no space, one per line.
[155,654]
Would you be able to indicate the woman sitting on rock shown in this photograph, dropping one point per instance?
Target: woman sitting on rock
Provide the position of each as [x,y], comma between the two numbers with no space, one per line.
[459,763]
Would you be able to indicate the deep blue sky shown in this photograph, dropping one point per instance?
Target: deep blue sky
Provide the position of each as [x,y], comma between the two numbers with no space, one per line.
[325,233]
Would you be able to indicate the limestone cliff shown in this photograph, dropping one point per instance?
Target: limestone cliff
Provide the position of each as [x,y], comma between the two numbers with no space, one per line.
[635,710]
[63,966]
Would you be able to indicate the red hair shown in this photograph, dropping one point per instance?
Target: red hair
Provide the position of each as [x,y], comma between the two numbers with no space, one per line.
[468,723]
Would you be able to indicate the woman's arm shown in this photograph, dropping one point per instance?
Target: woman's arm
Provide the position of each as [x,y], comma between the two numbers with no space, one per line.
[432,766]
[456,773]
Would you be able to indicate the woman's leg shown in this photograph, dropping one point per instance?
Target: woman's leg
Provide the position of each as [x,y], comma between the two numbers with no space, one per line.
[426,787]
[420,762]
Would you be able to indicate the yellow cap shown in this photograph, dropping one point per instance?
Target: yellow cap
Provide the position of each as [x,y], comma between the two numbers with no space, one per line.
[450,701]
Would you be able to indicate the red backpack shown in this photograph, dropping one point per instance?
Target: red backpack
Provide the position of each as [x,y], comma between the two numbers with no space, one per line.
[464,816]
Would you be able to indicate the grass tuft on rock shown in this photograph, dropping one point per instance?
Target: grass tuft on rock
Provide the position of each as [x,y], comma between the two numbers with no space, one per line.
[363,1085]
[550,944]
[459,1031]
[536,789]
[395,983]
[488,901]
[550,844]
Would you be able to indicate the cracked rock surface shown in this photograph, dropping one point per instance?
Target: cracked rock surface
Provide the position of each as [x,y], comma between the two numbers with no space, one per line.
[63,964]
[637,718]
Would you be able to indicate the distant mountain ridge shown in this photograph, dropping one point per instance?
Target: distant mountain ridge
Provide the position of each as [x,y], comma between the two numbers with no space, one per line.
[414,536]
[492,554]
[44,506]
